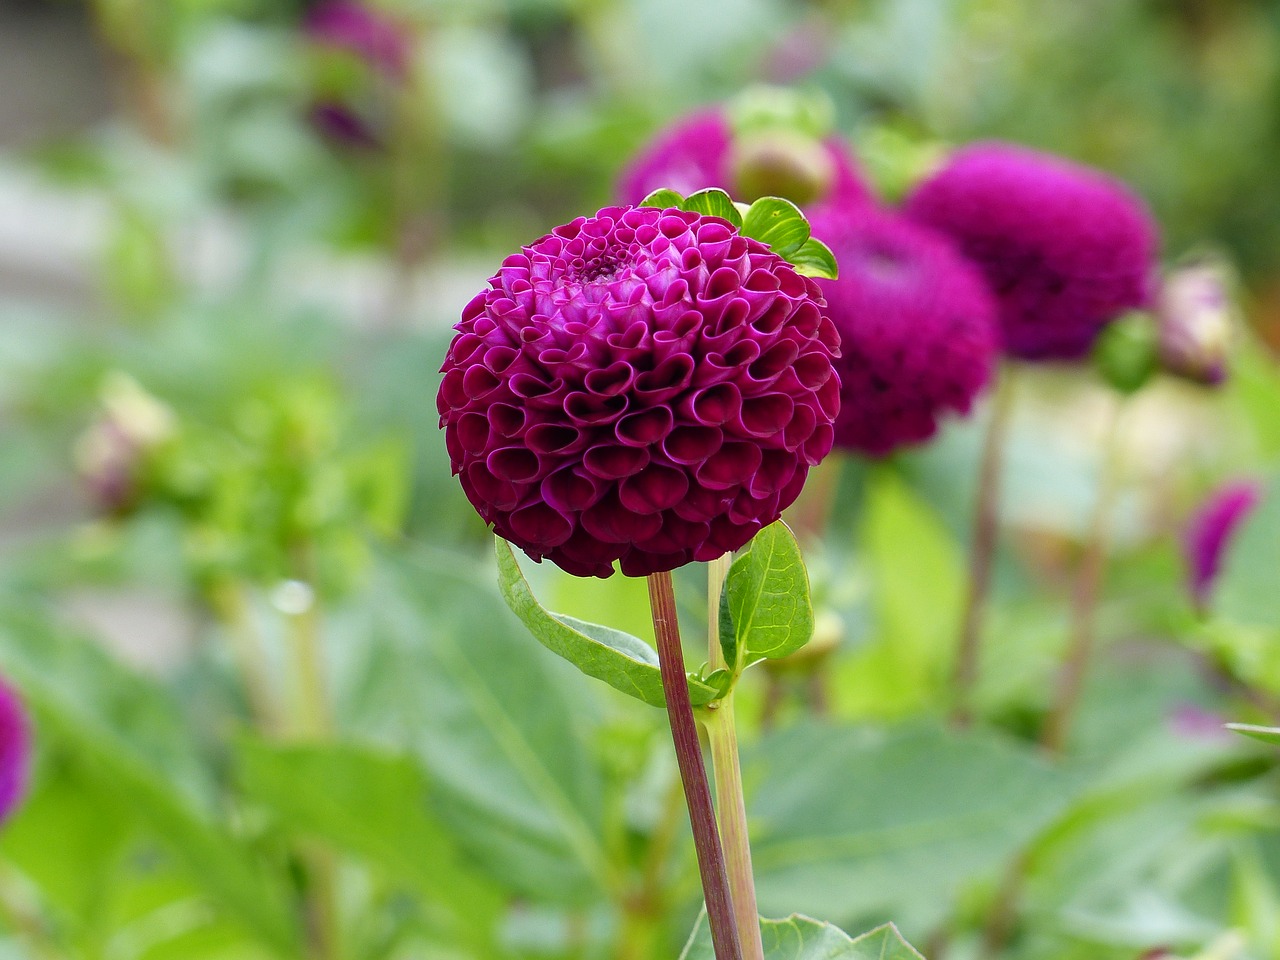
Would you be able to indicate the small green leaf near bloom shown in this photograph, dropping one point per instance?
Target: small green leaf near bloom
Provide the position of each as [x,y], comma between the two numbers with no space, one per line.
[803,938]
[714,203]
[662,199]
[765,609]
[626,663]
[1269,735]
[777,223]
[815,259]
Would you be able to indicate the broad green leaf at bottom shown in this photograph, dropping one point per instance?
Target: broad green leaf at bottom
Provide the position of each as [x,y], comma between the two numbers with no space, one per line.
[803,938]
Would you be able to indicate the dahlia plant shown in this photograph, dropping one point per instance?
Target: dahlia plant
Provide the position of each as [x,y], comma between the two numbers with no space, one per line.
[646,387]
[1066,251]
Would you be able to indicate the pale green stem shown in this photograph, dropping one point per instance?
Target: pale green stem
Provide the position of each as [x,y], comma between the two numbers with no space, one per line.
[230,601]
[1084,605]
[726,770]
[312,720]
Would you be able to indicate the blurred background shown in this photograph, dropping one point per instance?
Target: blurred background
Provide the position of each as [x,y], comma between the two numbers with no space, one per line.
[234,235]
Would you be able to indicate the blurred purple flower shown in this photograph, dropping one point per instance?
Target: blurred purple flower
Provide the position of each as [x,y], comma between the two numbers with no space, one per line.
[1209,534]
[642,386]
[1065,248]
[1193,722]
[15,750]
[364,30]
[340,123]
[698,152]
[917,328]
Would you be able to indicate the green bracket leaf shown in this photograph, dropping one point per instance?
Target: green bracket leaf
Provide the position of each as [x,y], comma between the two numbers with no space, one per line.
[802,938]
[765,610]
[714,203]
[1269,735]
[624,662]
[777,223]
[815,259]
[662,199]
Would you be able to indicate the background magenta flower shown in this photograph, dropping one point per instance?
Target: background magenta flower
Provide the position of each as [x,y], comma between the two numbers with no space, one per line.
[1209,534]
[1066,249]
[917,328]
[15,750]
[643,386]
[363,30]
[697,152]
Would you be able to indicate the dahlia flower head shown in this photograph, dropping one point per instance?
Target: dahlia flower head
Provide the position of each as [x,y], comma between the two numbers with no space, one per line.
[917,328]
[1210,532]
[15,750]
[698,152]
[641,386]
[1064,248]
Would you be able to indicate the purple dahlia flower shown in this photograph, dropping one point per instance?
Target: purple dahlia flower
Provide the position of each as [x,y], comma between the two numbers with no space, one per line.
[15,750]
[645,386]
[1066,249]
[698,152]
[917,328]
[1209,534]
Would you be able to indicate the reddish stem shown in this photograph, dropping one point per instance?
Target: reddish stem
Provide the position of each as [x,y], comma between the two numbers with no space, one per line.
[693,775]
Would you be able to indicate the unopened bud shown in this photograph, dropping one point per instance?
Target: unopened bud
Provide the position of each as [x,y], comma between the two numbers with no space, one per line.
[782,163]
[1196,314]
[1125,353]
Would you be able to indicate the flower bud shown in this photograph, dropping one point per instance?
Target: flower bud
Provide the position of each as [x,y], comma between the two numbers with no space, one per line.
[1196,315]
[109,454]
[1210,532]
[780,163]
[1125,352]
[15,750]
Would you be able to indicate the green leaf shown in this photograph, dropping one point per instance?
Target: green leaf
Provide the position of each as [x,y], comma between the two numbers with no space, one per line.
[713,203]
[848,822]
[815,259]
[504,731]
[903,667]
[766,611]
[97,710]
[662,199]
[1269,735]
[777,223]
[374,805]
[802,938]
[624,662]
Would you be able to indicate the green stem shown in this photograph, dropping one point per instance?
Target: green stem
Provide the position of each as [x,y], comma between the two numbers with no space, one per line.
[982,551]
[1084,606]
[231,603]
[723,734]
[312,714]
[693,776]
[313,720]
[718,719]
